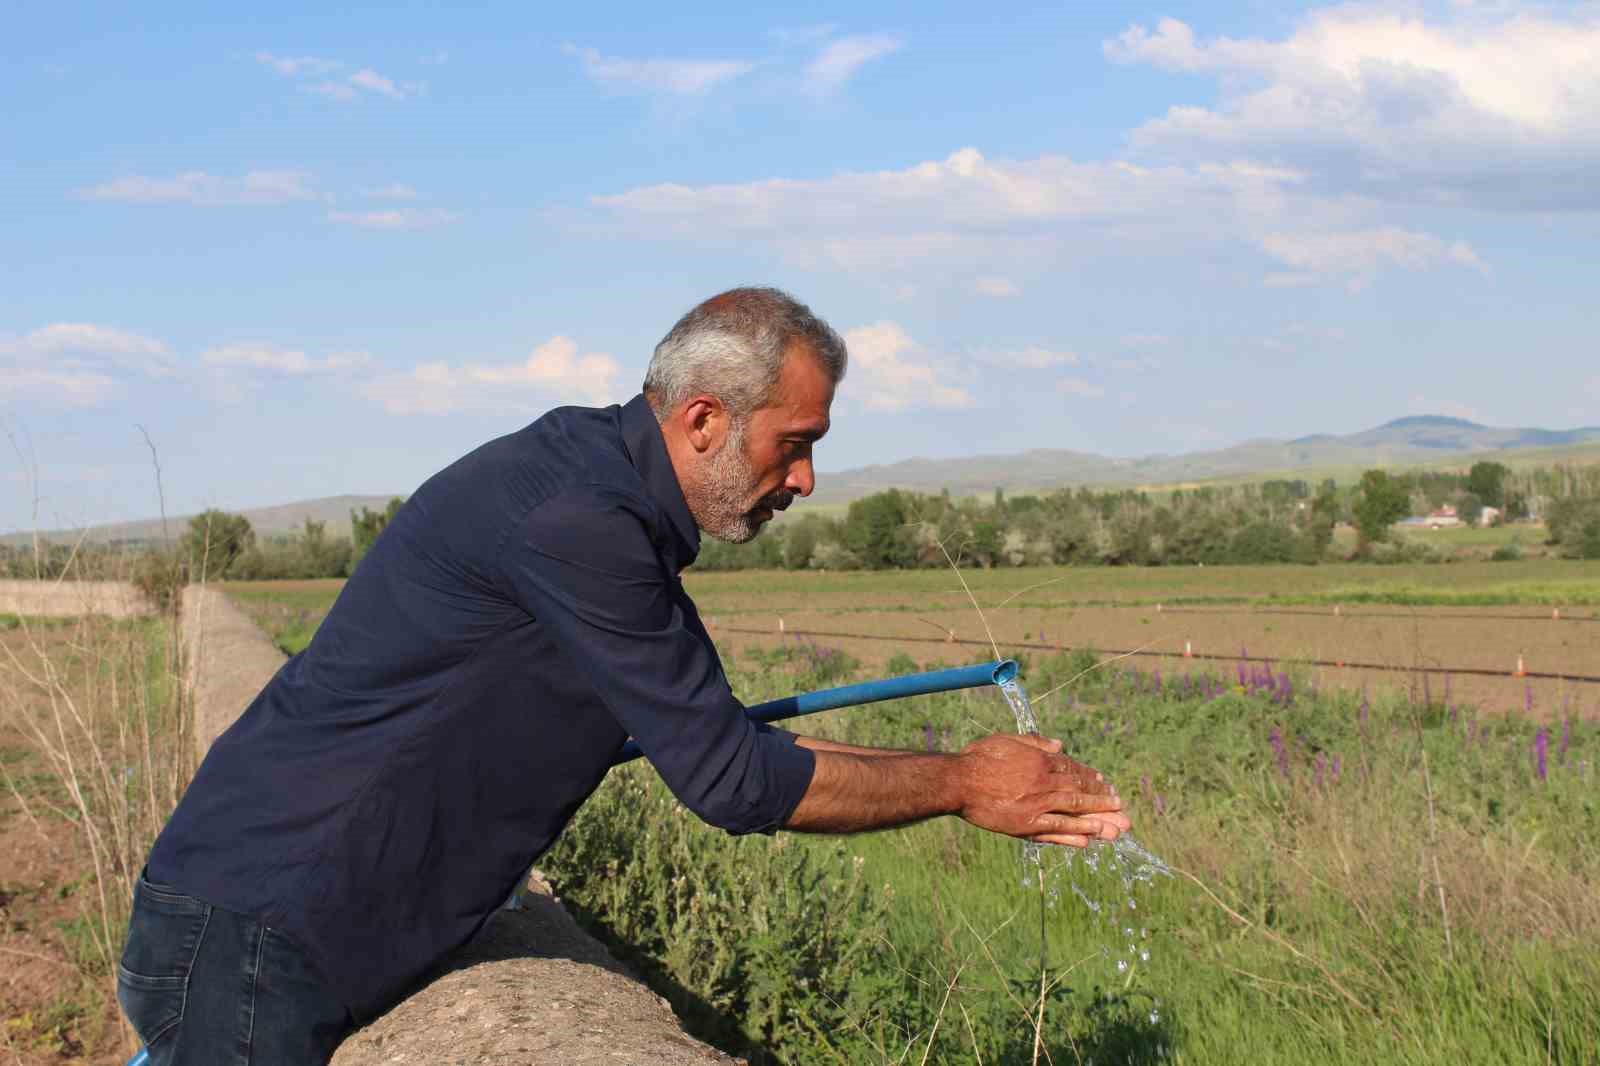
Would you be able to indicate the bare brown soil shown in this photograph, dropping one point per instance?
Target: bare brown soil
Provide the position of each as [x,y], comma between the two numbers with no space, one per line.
[57,1003]
[1455,638]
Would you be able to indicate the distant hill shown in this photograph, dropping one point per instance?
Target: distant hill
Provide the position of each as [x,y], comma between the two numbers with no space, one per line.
[1421,440]
[266,521]
[1415,441]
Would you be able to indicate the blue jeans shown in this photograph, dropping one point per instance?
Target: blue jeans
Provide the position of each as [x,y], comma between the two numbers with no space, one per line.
[204,985]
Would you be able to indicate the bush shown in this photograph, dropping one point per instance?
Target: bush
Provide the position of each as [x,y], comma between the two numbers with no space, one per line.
[159,576]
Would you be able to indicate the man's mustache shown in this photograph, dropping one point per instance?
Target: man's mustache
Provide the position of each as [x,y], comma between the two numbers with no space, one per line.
[776,501]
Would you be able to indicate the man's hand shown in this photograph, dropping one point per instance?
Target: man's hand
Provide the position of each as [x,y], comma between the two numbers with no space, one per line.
[1021,785]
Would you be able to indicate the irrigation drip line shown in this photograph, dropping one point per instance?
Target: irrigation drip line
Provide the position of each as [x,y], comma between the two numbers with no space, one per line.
[1470,671]
[1422,613]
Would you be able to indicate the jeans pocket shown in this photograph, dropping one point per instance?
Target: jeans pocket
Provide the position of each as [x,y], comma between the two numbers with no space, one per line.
[164,934]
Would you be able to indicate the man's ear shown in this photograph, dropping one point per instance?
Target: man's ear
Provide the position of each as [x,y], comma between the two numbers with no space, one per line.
[704,421]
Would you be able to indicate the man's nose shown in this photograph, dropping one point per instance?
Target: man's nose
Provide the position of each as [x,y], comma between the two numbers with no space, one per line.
[802,478]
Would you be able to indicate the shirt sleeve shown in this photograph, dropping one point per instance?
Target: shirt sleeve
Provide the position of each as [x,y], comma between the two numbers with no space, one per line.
[584,564]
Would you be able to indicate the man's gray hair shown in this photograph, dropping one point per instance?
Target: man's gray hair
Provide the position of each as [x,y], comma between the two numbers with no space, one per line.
[732,347]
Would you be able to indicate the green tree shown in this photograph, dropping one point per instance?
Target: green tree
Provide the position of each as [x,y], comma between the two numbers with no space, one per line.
[871,528]
[366,524]
[1383,501]
[1487,481]
[215,540]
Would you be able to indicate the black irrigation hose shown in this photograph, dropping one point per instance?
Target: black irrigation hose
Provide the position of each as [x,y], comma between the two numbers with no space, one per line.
[1472,671]
[1342,612]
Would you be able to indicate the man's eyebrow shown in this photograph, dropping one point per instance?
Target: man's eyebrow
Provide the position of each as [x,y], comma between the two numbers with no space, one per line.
[808,432]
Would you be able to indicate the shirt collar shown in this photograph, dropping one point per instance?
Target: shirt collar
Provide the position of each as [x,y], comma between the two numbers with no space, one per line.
[641,435]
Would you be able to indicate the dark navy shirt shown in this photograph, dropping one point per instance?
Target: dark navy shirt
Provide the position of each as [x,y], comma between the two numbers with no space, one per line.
[519,618]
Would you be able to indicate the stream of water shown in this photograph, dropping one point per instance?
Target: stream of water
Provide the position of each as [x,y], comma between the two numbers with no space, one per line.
[1127,941]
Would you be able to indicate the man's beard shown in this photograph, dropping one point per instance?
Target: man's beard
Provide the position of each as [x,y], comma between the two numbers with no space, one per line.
[723,507]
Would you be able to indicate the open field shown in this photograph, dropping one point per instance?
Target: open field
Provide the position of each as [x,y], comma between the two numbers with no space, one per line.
[1449,619]
[1372,877]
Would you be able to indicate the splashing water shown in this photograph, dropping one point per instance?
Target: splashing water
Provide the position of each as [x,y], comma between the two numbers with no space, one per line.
[1126,858]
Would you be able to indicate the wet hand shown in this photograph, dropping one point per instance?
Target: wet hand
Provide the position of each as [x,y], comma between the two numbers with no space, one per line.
[1023,786]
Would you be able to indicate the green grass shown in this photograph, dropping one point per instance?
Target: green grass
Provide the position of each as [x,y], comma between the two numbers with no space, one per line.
[288,611]
[926,938]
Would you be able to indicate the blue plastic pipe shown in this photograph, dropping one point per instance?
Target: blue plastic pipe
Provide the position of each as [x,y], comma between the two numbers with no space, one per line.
[889,688]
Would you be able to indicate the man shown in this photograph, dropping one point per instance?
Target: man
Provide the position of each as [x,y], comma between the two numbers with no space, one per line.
[518,620]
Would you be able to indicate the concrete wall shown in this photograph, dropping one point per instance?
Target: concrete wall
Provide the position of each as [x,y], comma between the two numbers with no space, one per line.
[63,599]
[228,658]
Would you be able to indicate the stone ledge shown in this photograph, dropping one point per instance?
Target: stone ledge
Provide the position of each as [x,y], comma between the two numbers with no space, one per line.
[533,989]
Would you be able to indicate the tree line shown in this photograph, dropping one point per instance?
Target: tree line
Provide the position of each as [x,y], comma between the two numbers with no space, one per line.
[1275,521]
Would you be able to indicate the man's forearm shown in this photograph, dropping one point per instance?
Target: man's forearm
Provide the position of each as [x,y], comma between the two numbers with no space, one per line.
[859,789]
[818,744]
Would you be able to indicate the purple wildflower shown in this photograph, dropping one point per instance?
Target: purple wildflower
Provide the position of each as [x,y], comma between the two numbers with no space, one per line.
[1566,741]
[1317,767]
[1155,683]
[1335,766]
[927,736]
[1285,689]
[1144,783]
[1161,804]
[1541,746]
[1280,751]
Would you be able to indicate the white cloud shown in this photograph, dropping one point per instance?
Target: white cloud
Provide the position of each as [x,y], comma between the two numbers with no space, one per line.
[676,77]
[891,372]
[996,287]
[979,214]
[294,66]
[1030,358]
[1361,253]
[374,82]
[83,338]
[76,388]
[554,372]
[1080,387]
[343,89]
[840,60]
[71,362]
[1499,110]
[964,191]
[293,362]
[207,190]
[393,191]
[365,80]
[333,90]
[395,219]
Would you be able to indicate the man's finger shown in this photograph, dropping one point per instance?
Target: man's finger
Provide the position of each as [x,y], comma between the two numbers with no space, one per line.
[1068,840]
[1034,740]
[1074,803]
[1066,825]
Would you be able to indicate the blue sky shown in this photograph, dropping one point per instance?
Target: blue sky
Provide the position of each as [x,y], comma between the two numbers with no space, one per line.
[329,250]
